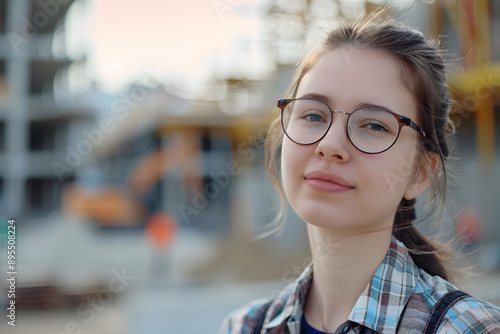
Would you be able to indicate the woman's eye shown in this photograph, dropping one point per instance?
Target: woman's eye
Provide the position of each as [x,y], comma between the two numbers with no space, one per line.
[315,118]
[311,117]
[376,126]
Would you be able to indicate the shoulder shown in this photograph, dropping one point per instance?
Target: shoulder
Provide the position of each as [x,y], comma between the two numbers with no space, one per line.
[472,315]
[244,319]
[468,315]
[287,305]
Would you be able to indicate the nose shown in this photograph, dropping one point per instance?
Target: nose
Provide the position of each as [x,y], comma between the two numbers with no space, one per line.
[335,144]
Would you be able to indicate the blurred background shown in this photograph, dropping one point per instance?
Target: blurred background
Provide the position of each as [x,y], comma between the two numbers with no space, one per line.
[131,153]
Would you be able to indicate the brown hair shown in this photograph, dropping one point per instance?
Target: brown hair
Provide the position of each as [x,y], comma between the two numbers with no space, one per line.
[423,72]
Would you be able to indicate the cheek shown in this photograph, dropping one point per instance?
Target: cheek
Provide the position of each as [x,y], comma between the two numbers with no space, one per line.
[292,159]
[398,173]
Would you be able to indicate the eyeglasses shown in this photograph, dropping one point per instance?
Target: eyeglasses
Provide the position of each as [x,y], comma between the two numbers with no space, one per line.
[371,130]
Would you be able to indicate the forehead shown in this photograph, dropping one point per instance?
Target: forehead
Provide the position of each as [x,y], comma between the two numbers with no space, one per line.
[351,77]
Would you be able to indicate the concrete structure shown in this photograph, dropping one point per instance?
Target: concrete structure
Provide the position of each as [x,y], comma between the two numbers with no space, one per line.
[37,111]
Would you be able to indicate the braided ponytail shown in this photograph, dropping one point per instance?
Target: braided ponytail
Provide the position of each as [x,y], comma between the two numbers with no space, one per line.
[423,252]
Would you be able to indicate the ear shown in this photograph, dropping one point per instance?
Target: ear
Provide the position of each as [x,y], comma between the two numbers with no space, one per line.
[423,175]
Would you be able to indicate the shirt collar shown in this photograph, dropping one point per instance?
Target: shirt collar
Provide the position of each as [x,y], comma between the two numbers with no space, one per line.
[293,307]
[380,305]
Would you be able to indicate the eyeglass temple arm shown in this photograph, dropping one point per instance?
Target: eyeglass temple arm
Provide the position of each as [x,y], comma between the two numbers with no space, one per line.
[413,125]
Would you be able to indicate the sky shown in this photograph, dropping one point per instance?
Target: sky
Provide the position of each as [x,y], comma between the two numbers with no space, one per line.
[188,40]
[183,38]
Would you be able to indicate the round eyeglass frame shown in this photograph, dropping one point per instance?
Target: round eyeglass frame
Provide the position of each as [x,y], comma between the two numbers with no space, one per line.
[402,121]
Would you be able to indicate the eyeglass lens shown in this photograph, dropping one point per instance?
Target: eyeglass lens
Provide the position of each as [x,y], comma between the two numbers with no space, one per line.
[369,129]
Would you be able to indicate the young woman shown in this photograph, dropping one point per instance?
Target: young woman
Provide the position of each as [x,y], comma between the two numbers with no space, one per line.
[364,133]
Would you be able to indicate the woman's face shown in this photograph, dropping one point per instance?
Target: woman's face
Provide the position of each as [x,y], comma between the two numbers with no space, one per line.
[330,183]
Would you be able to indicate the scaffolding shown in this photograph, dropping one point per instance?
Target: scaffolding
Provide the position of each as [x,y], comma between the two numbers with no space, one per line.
[477,83]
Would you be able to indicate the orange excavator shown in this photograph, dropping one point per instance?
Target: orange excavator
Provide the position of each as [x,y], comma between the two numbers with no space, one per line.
[122,206]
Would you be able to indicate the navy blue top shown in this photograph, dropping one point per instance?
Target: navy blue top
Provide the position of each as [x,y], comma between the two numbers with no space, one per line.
[308,329]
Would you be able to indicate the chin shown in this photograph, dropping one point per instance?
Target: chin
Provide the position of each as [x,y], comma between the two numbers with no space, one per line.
[342,221]
[327,220]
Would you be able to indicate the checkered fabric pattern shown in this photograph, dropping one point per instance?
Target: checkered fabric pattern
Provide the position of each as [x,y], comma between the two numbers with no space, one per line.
[399,299]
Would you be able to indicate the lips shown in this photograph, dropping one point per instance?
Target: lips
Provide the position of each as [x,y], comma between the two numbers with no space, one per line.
[327,182]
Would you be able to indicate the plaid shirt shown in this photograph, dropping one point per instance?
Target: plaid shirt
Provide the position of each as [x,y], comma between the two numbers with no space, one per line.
[398,299]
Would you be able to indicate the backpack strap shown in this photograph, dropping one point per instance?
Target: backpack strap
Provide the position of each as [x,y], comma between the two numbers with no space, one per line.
[258,328]
[440,309]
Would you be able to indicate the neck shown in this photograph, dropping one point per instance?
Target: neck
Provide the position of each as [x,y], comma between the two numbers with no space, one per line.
[343,266]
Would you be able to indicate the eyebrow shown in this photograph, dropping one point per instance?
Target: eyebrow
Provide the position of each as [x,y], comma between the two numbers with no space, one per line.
[325,99]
